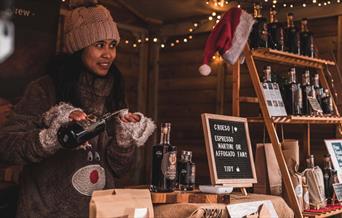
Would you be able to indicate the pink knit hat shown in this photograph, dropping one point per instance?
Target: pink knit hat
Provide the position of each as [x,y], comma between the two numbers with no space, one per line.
[87,25]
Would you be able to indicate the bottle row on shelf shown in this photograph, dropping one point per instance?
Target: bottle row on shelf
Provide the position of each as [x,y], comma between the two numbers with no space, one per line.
[276,35]
[316,188]
[297,98]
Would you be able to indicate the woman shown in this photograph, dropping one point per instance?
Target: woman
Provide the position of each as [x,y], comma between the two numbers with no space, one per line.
[58,182]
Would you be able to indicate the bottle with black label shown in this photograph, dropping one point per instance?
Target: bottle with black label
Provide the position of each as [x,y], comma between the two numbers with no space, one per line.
[327,105]
[292,43]
[259,35]
[306,91]
[327,173]
[306,39]
[164,162]
[293,94]
[275,32]
[186,172]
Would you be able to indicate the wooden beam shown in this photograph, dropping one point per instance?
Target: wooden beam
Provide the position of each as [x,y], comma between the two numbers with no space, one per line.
[236,89]
[138,14]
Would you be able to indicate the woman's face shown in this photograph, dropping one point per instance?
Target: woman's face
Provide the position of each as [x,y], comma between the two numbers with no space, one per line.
[99,56]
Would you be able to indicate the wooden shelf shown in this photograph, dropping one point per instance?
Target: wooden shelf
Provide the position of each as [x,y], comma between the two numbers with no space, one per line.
[329,213]
[271,55]
[300,119]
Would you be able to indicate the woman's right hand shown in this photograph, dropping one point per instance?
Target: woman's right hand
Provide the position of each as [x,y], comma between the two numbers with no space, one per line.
[78,115]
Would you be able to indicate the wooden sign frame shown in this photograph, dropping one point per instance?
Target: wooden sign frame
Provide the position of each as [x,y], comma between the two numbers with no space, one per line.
[334,160]
[210,152]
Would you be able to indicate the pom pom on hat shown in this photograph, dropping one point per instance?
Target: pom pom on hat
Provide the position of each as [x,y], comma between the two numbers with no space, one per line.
[228,38]
[87,25]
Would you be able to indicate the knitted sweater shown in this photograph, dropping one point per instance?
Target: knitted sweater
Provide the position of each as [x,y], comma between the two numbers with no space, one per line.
[58,182]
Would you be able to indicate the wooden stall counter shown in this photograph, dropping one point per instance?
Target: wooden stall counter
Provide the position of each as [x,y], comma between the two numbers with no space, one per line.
[192,210]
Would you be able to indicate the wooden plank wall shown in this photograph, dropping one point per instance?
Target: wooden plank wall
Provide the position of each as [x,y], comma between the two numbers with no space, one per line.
[184,94]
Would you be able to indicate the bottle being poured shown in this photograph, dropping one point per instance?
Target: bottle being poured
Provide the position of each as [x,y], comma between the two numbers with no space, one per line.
[75,133]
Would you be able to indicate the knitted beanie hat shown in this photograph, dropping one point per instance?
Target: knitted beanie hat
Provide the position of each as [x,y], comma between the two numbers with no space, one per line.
[87,25]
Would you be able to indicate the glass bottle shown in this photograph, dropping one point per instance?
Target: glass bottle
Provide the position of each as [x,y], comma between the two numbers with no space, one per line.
[186,172]
[293,94]
[306,90]
[164,162]
[333,180]
[318,89]
[327,173]
[275,32]
[259,36]
[306,196]
[306,39]
[292,43]
[327,105]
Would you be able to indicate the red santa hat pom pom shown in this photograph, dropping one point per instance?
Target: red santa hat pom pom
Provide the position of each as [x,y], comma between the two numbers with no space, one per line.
[204,69]
[228,37]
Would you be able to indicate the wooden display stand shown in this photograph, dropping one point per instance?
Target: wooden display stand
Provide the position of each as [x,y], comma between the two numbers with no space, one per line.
[189,197]
[280,57]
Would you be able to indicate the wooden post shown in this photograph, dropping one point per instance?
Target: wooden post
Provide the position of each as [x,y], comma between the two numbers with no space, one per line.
[272,133]
[220,88]
[152,106]
[236,89]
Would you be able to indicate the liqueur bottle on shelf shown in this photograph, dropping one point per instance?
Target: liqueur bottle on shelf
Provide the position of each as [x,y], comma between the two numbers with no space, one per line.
[293,94]
[306,39]
[186,172]
[259,36]
[306,197]
[328,173]
[315,180]
[306,90]
[275,32]
[327,105]
[164,162]
[292,43]
[333,180]
[317,88]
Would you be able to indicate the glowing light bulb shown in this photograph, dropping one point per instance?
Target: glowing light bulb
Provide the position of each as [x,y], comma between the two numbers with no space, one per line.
[213,14]
[190,37]
[304,5]
[185,40]
[139,40]
[210,18]
[162,45]
[155,40]
[126,41]
[195,24]
[218,17]
[190,30]
[172,44]
[134,45]
[177,41]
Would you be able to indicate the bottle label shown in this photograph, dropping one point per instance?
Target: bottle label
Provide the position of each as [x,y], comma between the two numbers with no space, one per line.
[169,166]
[299,191]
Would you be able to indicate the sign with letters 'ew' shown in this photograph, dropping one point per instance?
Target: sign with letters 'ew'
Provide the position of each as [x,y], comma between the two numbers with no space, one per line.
[229,150]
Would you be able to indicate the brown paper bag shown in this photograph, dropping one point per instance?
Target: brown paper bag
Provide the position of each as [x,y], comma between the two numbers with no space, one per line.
[290,149]
[267,170]
[273,171]
[262,186]
[261,213]
[119,203]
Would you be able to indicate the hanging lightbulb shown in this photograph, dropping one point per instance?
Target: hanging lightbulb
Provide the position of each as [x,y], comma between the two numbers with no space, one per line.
[126,41]
[134,45]
[147,39]
[314,1]
[218,17]
[304,5]
[210,18]
[190,30]
[177,41]
[162,45]
[213,14]
[155,39]
[185,40]
[284,5]
[172,44]
[139,40]
[195,24]
[190,36]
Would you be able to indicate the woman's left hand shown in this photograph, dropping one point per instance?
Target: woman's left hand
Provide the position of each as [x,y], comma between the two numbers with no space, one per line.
[130,117]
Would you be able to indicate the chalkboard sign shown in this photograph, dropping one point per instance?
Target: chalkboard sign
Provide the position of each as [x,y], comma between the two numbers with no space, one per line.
[229,150]
[334,147]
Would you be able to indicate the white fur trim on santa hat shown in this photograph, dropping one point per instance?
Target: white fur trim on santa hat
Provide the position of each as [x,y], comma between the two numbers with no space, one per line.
[240,38]
[204,69]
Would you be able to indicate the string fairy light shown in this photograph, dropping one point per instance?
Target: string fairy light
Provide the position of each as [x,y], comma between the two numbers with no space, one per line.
[215,16]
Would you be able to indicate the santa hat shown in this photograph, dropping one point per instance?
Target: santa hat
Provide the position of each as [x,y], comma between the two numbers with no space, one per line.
[228,38]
